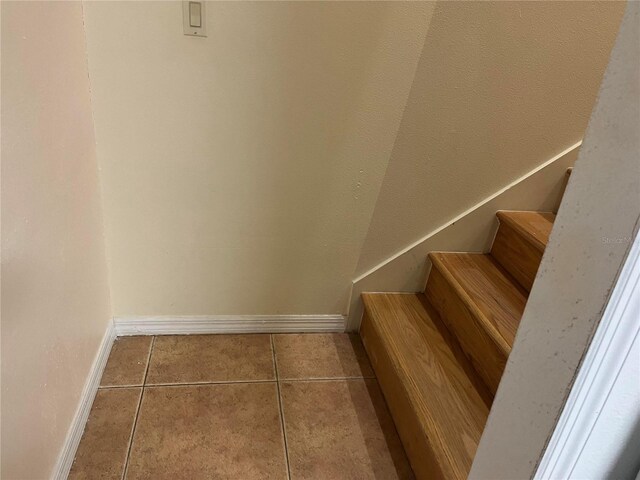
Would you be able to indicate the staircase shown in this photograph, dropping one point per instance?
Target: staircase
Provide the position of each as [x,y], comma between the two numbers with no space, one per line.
[439,355]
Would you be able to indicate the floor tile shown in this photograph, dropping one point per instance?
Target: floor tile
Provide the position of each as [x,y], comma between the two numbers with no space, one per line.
[127,362]
[330,355]
[210,358]
[341,429]
[225,431]
[103,449]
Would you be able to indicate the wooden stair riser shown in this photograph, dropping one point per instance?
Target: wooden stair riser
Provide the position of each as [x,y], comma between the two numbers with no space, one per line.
[414,440]
[487,356]
[516,255]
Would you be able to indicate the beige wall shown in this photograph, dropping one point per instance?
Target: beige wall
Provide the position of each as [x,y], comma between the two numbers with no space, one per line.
[240,170]
[55,300]
[592,234]
[501,87]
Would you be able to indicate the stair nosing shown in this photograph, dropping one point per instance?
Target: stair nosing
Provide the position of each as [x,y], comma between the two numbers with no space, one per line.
[490,328]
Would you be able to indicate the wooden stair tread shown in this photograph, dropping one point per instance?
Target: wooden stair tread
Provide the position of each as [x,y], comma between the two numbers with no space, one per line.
[535,227]
[448,413]
[486,289]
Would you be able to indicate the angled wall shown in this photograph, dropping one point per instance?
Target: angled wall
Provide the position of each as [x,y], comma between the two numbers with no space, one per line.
[501,88]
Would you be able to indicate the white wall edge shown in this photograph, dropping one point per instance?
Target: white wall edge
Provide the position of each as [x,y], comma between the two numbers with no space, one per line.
[472,230]
[203,324]
[68,452]
[596,377]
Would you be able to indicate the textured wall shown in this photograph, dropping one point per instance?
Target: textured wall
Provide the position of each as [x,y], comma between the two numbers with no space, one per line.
[55,298]
[501,87]
[240,170]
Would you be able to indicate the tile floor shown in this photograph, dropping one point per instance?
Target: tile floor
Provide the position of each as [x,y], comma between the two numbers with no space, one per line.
[298,406]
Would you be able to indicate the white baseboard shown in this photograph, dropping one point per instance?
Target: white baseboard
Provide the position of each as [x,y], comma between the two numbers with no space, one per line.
[471,231]
[203,324]
[68,453]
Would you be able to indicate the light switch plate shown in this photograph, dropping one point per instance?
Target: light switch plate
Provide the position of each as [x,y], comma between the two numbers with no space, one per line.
[190,18]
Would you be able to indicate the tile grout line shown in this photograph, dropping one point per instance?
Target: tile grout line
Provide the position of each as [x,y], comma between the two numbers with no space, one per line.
[232,382]
[197,384]
[115,387]
[326,379]
[135,420]
[284,428]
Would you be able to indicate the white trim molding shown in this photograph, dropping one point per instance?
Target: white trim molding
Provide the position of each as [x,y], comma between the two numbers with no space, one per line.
[68,452]
[603,362]
[207,324]
[471,231]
